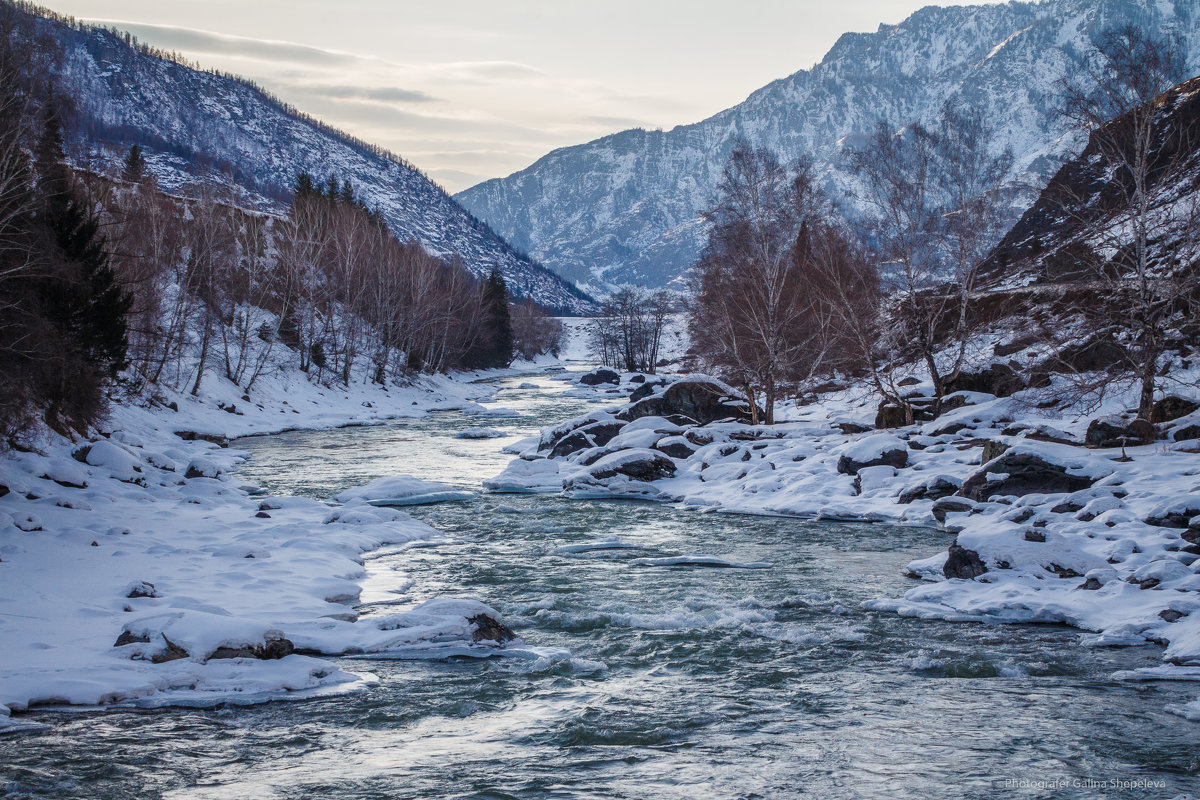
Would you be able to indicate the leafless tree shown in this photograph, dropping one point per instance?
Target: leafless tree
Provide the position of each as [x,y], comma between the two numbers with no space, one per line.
[627,333]
[534,331]
[1133,204]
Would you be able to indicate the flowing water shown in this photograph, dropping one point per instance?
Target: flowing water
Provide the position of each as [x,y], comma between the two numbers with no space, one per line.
[683,682]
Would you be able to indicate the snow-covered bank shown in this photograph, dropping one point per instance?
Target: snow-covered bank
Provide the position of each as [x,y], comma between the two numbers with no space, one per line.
[1034,527]
[135,569]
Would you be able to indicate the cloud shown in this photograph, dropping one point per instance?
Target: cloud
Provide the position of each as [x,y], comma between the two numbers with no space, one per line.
[197,41]
[382,94]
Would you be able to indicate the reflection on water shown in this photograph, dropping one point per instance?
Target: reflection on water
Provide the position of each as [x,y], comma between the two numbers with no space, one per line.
[682,682]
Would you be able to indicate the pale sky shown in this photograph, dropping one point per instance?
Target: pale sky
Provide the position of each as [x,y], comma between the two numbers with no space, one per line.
[474,89]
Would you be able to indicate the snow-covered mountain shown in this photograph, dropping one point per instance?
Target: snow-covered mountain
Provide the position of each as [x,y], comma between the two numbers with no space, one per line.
[625,208]
[192,122]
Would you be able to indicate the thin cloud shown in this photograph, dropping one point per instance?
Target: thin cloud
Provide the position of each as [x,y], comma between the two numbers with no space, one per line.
[381,94]
[196,40]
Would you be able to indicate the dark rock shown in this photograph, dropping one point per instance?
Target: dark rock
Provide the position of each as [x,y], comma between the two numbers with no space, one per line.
[273,649]
[1090,585]
[897,458]
[1025,474]
[191,436]
[143,589]
[1066,507]
[131,638]
[851,427]
[934,489]
[951,429]
[1177,515]
[1186,433]
[1032,535]
[999,379]
[1114,432]
[1091,356]
[992,450]
[3,490]
[173,652]
[642,392]
[573,442]
[950,505]
[80,454]
[490,629]
[1063,572]
[827,387]
[638,379]
[678,447]
[651,467]
[1191,535]
[693,401]
[963,563]
[599,376]
[1172,408]
[1171,615]
[698,438]
[909,381]
[263,515]
[1149,583]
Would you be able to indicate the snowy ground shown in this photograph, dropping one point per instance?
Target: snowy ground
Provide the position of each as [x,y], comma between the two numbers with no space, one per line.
[138,546]
[1101,543]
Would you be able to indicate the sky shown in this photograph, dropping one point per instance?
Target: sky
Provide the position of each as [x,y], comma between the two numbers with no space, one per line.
[475,89]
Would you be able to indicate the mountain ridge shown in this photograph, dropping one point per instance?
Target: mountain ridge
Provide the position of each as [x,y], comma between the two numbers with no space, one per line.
[625,208]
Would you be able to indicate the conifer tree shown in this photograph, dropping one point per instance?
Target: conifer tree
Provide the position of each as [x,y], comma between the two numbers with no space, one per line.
[135,165]
[498,339]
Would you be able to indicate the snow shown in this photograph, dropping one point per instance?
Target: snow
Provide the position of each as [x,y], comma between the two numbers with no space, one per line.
[147,535]
[480,433]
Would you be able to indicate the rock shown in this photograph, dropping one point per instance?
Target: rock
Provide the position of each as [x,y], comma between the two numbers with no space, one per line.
[202,468]
[637,379]
[594,434]
[1115,432]
[130,638]
[1021,474]
[141,589]
[642,392]
[930,489]
[951,505]
[173,652]
[849,428]
[909,381]
[1032,535]
[874,451]
[1171,615]
[490,629]
[638,465]
[696,401]
[191,436]
[992,449]
[599,376]
[263,515]
[273,648]
[675,447]
[999,379]
[828,387]
[963,563]
[1186,433]
[1091,356]
[1090,585]
[1172,408]
[1175,514]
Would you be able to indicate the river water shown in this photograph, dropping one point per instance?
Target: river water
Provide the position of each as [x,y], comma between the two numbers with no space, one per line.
[682,682]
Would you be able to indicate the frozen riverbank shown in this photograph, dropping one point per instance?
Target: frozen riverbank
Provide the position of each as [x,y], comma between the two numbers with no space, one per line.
[1032,526]
[135,569]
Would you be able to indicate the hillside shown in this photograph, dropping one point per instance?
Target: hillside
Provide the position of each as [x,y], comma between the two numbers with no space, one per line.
[625,208]
[194,123]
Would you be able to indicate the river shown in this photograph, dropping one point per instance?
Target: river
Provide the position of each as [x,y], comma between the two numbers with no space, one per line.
[682,682]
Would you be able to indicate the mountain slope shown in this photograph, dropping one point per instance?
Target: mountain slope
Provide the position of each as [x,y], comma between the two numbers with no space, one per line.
[625,208]
[193,122]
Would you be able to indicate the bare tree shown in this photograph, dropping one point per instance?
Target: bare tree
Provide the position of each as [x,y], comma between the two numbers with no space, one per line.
[534,331]
[752,317]
[1133,203]
[627,333]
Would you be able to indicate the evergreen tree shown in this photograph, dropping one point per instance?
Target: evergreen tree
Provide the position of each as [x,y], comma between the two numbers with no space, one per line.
[305,186]
[498,341]
[135,165]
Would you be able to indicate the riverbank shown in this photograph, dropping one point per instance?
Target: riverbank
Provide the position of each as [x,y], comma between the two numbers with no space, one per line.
[1036,527]
[136,569]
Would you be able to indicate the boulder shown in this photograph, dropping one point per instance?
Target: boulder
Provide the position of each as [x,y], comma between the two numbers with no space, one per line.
[697,401]
[992,449]
[1175,513]
[1115,432]
[675,447]
[1172,408]
[592,434]
[599,376]
[490,629]
[644,391]
[963,563]
[999,379]
[879,450]
[951,505]
[192,436]
[638,465]
[1016,345]
[934,488]
[273,648]
[1021,474]
[202,468]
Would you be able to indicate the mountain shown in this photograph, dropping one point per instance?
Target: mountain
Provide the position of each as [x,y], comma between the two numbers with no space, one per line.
[1083,220]
[194,123]
[626,208]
